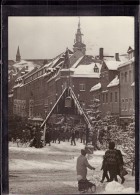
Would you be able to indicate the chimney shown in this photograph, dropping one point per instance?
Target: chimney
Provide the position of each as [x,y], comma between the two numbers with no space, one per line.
[117,57]
[101,53]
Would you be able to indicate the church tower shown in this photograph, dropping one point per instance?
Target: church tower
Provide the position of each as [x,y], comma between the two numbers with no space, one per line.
[18,57]
[78,45]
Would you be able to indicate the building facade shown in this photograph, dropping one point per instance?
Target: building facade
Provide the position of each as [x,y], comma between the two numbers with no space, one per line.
[37,88]
[127,88]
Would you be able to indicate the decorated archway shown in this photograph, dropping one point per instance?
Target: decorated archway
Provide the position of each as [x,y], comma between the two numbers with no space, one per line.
[67,103]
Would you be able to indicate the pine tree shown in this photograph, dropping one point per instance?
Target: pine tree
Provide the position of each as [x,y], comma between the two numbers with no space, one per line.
[94,115]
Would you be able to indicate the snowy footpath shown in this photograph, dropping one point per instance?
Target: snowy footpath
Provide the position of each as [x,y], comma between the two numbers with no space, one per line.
[52,170]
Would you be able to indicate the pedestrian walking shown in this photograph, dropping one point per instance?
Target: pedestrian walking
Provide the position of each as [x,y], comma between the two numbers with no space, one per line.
[105,171]
[81,168]
[48,137]
[120,166]
[112,160]
[59,137]
[73,138]
[84,137]
[81,135]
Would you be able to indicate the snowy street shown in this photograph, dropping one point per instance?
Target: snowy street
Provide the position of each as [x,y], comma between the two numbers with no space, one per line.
[52,169]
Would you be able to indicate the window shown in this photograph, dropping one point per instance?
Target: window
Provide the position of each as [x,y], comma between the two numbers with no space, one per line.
[116,98]
[130,104]
[103,98]
[110,97]
[82,87]
[122,77]
[106,98]
[130,73]
[96,69]
[126,104]
[99,97]
[123,105]
[125,76]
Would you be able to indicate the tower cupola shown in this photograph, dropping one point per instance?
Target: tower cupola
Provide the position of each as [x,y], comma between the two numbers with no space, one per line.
[79,45]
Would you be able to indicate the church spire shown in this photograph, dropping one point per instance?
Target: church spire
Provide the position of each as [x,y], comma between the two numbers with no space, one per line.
[78,44]
[18,57]
[79,23]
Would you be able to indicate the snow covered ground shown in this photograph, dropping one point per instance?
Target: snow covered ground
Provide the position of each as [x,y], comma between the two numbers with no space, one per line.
[52,169]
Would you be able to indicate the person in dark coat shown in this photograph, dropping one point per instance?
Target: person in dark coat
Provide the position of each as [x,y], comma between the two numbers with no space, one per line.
[81,135]
[105,174]
[59,136]
[48,137]
[120,166]
[112,160]
[55,135]
[73,138]
[94,140]
[68,135]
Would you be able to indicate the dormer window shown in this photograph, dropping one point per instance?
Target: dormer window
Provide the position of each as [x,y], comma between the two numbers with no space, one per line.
[96,69]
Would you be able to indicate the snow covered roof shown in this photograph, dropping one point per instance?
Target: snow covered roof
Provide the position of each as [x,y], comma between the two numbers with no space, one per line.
[76,63]
[112,65]
[131,48]
[24,63]
[114,82]
[96,87]
[10,95]
[133,84]
[105,91]
[84,70]
[17,85]
[126,63]
[37,119]
[109,58]
[124,58]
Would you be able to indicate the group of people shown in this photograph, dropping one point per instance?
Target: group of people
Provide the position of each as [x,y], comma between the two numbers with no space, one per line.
[112,165]
[34,135]
[61,134]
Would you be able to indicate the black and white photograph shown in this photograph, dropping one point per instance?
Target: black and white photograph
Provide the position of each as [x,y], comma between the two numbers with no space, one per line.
[71,104]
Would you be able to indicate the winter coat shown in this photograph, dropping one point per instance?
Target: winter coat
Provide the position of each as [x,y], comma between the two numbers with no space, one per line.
[73,136]
[121,163]
[104,165]
[111,157]
[81,167]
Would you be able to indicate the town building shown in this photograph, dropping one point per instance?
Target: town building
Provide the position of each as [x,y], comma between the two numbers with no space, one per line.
[37,87]
[127,88]
[35,93]
[107,90]
[115,89]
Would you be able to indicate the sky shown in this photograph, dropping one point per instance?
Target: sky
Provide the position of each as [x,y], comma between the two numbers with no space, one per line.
[47,37]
